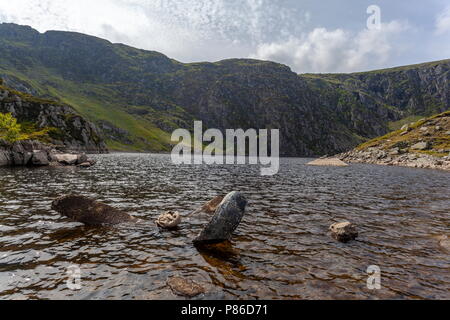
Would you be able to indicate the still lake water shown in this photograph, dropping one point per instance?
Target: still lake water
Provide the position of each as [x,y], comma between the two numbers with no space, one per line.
[282,249]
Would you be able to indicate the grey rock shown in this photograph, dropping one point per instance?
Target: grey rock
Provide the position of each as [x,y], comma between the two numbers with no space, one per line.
[4,158]
[40,158]
[344,231]
[421,146]
[66,158]
[82,158]
[225,220]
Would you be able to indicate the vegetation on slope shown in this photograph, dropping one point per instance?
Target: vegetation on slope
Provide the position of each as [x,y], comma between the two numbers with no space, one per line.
[433,131]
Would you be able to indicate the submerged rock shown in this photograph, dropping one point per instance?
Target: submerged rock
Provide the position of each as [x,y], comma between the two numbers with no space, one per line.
[344,231]
[89,211]
[210,206]
[169,220]
[445,243]
[226,219]
[185,287]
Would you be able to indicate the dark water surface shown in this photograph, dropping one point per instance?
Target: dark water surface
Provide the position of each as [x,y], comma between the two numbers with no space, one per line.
[282,250]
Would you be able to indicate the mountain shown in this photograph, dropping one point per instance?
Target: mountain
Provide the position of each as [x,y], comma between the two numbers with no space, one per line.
[56,124]
[137,97]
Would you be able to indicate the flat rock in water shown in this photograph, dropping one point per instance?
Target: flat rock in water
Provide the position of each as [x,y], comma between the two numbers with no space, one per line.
[226,219]
[344,231]
[332,162]
[89,211]
[185,287]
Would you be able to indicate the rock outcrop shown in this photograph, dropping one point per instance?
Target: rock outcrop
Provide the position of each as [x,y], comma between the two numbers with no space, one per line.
[66,129]
[35,153]
[423,144]
[225,221]
[90,212]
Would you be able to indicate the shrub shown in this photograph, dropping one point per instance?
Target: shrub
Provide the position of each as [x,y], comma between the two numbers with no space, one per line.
[10,130]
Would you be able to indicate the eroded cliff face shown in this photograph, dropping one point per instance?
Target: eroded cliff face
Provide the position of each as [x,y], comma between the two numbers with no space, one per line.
[68,130]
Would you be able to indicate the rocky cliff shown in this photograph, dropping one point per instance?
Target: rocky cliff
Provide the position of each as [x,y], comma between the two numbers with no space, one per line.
[140,96]
[66,129]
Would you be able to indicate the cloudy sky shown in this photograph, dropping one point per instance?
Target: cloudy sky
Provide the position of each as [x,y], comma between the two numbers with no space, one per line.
[307,35]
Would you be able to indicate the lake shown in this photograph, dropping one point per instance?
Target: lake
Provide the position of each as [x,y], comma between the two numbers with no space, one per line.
[281,250]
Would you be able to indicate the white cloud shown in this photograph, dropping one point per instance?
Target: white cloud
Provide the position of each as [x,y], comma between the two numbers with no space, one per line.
[337,50]
[183,29]
[443,22]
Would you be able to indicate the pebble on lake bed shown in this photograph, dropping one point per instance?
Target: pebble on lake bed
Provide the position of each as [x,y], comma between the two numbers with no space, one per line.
[344,231]
[185,287]
[445,243]
[169,220]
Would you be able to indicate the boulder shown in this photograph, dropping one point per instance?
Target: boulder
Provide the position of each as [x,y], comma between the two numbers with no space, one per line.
[169,220]
[82,158]
[394,151]
[89,211]
[421,146]
[344,231]
[185,287]
[66,158]
[225,221]
[39,158]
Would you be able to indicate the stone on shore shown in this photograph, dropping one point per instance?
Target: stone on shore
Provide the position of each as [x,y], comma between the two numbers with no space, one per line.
[35,153]
[225,221]
[421,146]
[169,220]
[39,158]
[67,159]
[185,287]
[90,212]
[344,231]
[332,162]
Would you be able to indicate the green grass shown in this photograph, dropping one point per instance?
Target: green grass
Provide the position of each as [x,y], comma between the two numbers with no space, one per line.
[439,139]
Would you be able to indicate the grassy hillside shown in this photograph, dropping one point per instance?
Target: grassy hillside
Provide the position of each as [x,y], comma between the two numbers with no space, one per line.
[435,131]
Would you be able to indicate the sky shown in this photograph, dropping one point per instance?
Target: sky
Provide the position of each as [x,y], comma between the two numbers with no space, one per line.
[308,35]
